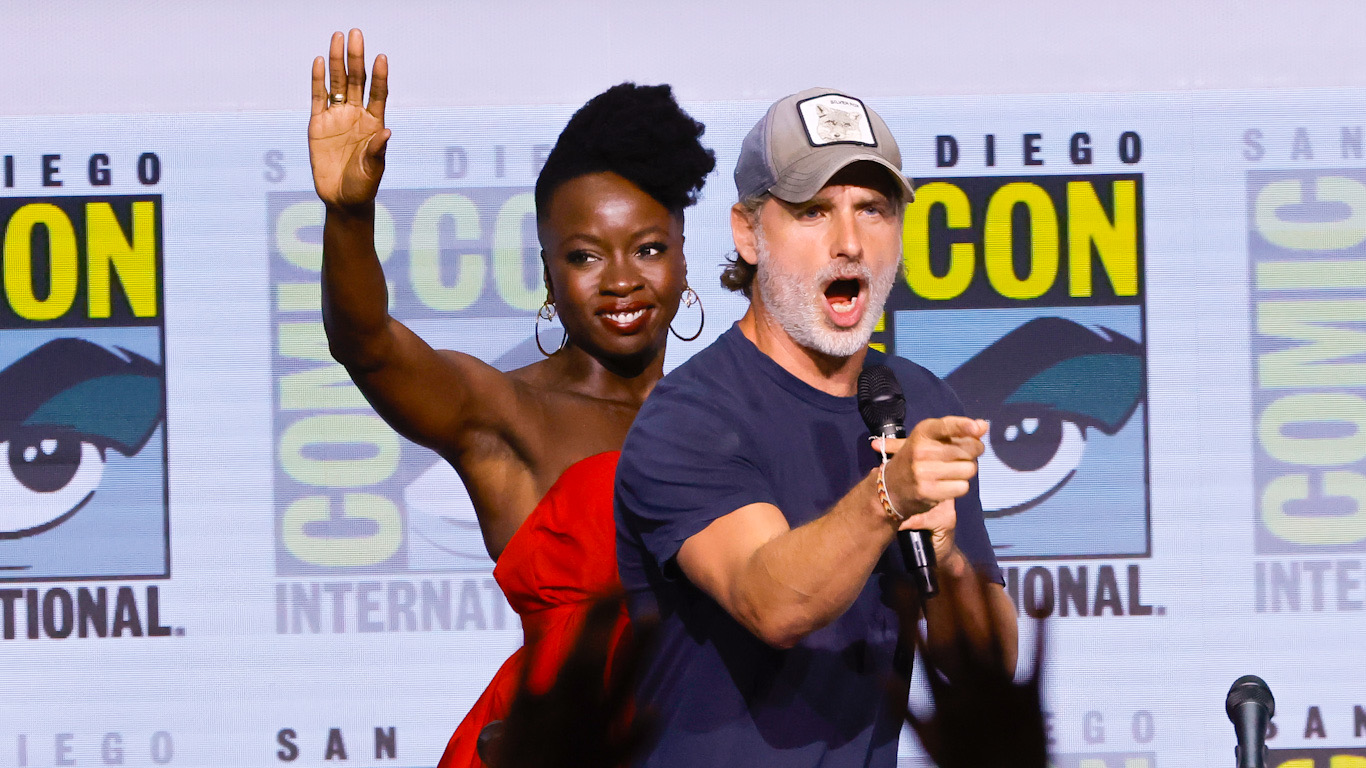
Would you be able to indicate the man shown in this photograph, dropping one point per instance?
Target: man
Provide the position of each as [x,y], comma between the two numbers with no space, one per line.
[748,514]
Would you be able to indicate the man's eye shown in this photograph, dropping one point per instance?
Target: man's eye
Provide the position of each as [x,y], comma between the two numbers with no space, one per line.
[44,478]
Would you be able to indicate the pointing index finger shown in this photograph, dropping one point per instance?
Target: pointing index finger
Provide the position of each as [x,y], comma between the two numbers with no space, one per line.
[950,427]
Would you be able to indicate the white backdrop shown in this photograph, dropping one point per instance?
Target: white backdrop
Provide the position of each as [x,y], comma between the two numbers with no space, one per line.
[242,628]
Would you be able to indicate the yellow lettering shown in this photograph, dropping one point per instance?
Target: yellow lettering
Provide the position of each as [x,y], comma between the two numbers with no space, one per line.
[879,327]
[365,549]
[133,260]
[1116,241]
[1332,408]
[916,242]
[510,255]
[1311,273]
[308,297]
[1312,235]
[18,257]
[308,255]
[1347,761]
[298,297]
[339,429]
[1310,321]
[998,234]
[289,223]
[326,387]
[426,253]
[1315,529]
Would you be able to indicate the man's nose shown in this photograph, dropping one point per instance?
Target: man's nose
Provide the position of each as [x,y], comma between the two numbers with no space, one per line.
[846,239]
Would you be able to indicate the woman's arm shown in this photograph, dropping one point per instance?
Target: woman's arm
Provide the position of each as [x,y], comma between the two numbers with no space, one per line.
[437,399]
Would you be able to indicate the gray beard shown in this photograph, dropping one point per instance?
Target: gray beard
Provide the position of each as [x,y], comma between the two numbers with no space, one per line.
[795,301]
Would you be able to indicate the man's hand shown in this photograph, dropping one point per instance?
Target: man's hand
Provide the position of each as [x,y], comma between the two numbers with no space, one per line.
[346,140]
[928,470]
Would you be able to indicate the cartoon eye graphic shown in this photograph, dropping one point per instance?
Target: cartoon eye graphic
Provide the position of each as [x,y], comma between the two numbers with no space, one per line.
[1029,456]
[1042,386]
[62,406]
[46,480]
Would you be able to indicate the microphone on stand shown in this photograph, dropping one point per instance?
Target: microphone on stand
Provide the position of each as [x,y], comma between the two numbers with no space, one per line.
[1250,706]
[883,408]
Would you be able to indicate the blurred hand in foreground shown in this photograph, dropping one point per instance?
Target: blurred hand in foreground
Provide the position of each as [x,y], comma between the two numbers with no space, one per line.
[579,721]
[982,718]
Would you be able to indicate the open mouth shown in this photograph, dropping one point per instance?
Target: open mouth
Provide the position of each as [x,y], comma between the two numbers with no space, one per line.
[625,320]
[843,299]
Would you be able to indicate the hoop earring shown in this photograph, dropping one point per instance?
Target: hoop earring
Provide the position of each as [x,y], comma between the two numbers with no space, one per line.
[547,313]
[690,298]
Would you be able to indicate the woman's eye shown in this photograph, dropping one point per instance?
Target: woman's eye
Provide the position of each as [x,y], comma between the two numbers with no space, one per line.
[579,257]
[44,478]
[653,249]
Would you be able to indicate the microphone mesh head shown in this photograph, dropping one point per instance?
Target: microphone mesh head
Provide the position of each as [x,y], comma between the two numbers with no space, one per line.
[1249,688]
[880,401]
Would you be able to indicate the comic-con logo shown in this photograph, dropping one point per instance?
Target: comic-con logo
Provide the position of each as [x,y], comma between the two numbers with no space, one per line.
[1344,757]
[82,390]
[1307,232]
[1026,295]
[351,495]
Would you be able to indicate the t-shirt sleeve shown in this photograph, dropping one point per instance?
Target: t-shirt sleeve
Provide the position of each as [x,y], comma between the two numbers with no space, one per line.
[971,532]
[971,535]
[685,463]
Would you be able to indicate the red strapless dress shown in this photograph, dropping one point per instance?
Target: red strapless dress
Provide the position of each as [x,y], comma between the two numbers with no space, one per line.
[563,555]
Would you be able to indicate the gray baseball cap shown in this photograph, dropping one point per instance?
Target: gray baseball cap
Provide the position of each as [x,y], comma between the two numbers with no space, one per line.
[806,138]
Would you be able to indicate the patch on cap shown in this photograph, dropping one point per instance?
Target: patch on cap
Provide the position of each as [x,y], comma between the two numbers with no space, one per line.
[836,119]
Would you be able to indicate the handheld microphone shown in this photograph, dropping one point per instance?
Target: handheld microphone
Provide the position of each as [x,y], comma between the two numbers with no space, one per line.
[1250,706]
[883,408]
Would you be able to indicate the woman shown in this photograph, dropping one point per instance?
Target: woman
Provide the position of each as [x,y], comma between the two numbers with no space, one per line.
[536,447]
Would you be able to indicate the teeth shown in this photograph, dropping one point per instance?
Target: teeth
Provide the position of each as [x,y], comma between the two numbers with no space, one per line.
[625,318]
[842,306]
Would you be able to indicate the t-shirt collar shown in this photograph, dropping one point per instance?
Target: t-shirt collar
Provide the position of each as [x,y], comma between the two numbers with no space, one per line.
[785,378]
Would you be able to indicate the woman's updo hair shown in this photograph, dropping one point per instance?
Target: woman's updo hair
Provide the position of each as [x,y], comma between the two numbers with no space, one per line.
[639,133]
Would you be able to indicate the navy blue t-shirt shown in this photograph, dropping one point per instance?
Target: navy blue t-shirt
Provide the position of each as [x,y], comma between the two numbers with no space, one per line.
[728,428]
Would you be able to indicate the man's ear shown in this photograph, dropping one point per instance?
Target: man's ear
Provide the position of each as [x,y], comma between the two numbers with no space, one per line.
[742,231]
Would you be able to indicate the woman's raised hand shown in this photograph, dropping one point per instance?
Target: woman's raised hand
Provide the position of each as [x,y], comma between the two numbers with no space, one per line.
[346,138]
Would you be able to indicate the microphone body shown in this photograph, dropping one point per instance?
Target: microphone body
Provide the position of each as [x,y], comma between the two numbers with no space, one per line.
[1250,708]
[883,408]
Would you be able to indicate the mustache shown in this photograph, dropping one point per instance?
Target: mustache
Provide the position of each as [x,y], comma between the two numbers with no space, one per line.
[849,270]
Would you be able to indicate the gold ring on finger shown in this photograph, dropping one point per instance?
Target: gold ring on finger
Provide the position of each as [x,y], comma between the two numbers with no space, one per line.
[337,98]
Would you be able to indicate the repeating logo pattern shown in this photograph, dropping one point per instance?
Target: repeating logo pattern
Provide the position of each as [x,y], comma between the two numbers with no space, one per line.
[83,491]
[1026,296]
